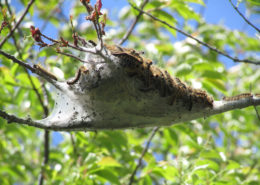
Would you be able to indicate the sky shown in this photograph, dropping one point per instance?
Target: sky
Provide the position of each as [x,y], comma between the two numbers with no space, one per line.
[215,12]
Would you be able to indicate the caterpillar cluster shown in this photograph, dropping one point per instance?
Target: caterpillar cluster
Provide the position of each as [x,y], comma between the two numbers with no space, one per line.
[155,78]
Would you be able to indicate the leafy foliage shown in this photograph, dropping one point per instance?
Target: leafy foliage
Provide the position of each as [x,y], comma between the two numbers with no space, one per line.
[222,149]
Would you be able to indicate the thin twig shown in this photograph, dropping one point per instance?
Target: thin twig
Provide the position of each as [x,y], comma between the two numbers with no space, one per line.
[26,121]
[95,23]
[11,14]
[199,41]
[14,59]
[18,23]
[46,155]
[72,56]
[258,116]
[77,58]
[248,22]
[88,50]
[73,144]
[27,66]
[128,33]
[100,34]
[142,155]
[46,136]
[37,71]
[9,25]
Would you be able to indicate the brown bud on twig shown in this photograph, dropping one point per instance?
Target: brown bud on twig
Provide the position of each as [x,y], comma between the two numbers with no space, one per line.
[89,8]
[75,38]
[64,43]
[4,24]
[36,34]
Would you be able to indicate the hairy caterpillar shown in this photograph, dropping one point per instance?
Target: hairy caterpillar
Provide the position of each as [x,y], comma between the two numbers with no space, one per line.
[238,97]
[77,76]
[44,71]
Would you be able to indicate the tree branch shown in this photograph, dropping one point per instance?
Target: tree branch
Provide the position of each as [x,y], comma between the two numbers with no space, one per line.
[258,116]
[15,60]
[72,139]
[11,13]
[128,33]
[66,124]
[46,156]
[199,41]
[18,23]
[248,22]
[46,138]
[83,49]
[131,181]
[34,69]
[26,121]
[71,56]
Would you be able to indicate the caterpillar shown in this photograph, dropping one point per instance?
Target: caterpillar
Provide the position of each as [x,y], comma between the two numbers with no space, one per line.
[238,97]
[42,70]
[77,76]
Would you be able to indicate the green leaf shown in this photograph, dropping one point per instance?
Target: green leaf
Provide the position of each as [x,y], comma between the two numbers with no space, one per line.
[185,129]
[166,49]
[165,16]
[19,97]
[210,154]
[91,158]
[232,165]
[183,69]
[108,162]
[171,136]
[218,84]
[147,180]
[213,74]
[196,1]
[108,175]
[205,163]
[184,10]
[254,2]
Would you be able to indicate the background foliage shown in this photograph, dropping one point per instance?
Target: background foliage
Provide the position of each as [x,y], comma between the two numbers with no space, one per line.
[222,149]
